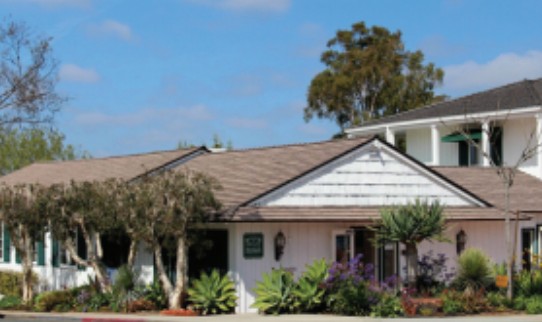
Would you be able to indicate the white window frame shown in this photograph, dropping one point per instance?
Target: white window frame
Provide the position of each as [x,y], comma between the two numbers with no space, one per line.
[342,232]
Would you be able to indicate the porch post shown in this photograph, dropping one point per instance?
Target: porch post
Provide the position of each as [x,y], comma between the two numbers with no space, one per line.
[538,142]
[435,145]
[486,150]
[390,136]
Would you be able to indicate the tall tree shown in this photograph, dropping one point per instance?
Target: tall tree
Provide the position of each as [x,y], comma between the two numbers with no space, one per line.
[369,74]
[159,210]
[21,147]
[410,225]
[89,209]
[28,75]
[24,212]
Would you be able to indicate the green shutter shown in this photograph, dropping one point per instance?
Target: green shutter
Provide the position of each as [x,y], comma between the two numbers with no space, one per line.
[41,253]
[7,246]
[55,260]
[17,257]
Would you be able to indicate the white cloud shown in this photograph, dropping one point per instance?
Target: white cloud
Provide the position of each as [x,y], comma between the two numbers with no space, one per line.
[112,28]
[74,73]
[247,5]
[247,123]
[505,68]
[54,3]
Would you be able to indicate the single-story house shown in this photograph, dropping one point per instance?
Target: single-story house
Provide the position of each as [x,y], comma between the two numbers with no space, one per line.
[321,197]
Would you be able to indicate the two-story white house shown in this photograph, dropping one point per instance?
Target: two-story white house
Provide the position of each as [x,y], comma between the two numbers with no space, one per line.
[503,122]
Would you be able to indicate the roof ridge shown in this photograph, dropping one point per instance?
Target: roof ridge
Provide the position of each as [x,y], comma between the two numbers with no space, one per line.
[384,120]
[117,156]
[279,146]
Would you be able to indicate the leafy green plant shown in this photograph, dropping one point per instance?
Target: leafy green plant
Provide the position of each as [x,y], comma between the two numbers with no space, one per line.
[520,303]
[500,269]
[309,293]
[274,292]
[529,283]
[452,303]
[213,294]
[10,302]
[349,287]
[498,300]
[474,270]
[98,301]
[389,306]
[57,301]
[153,293]
[534,305]
[10,283]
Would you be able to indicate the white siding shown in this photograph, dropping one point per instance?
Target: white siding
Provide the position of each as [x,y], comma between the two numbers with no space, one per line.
[368,178]
[516,133]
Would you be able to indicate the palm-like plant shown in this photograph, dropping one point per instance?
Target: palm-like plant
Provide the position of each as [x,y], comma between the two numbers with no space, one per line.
[213,294]
[274,292]
[410,225]
[309,293]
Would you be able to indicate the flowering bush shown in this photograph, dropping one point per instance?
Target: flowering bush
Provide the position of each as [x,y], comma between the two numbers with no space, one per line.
[351,288]
[433,274]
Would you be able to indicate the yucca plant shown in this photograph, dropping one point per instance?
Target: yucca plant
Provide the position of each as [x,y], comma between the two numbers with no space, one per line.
[474,270]
[309,292]
[213,294]
[410,225]
[274,292]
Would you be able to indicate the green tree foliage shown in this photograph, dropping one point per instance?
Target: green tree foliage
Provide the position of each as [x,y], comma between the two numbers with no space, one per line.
[89,209]
[28,75]
[410,225]
[159,209]
[24,211]
[21,147]
[369,74]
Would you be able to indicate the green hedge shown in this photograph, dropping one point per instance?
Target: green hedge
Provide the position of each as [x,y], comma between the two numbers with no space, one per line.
[10,283]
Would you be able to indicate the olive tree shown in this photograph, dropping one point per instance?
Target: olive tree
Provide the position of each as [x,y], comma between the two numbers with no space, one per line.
[160,209]
[23,210]
[89,209]
[410,225]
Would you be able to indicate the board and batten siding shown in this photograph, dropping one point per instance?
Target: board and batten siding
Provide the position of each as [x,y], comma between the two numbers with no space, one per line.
[367,177]
[305,242]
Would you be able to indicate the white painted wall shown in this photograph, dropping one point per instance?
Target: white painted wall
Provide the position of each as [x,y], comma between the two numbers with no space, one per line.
[418,144]
[516,133]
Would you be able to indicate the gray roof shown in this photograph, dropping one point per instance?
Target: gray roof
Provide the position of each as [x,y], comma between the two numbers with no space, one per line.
[526,93]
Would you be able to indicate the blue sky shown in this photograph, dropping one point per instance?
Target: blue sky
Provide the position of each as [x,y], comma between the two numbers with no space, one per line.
[144,75]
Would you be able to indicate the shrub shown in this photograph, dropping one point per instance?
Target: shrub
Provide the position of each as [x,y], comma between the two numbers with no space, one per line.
[432,273]
[10,283]
[153,293]
[520,303]
[529,283]
[213,294]
[141,305]
[388,306]
[10,302]
[474,271]
[534,305]
[57,301]
[274,292]
[498,300]
[350,291]
[452,302]
[309,293]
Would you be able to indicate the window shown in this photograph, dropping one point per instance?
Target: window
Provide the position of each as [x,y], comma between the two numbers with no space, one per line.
[468,154]
[342,246]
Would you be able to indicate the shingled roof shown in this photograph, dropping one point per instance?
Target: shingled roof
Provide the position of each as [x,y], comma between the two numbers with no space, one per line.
[523,94]
[99,169]
[486,184]
[247,174]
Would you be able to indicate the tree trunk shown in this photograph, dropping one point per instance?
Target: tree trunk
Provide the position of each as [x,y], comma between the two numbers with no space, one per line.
[412,264]
[161,270]
[26,260]
[510,267]
[176,297]
[132,253]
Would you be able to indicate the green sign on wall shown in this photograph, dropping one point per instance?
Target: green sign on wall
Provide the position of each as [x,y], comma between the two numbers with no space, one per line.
[253,245]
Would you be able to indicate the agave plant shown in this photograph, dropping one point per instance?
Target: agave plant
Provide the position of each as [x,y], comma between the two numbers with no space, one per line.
[213,294]
[309,293]
[274,292]
[474,270]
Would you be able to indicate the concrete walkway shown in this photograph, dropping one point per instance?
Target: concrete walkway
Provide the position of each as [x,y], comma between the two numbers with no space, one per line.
[147,317]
